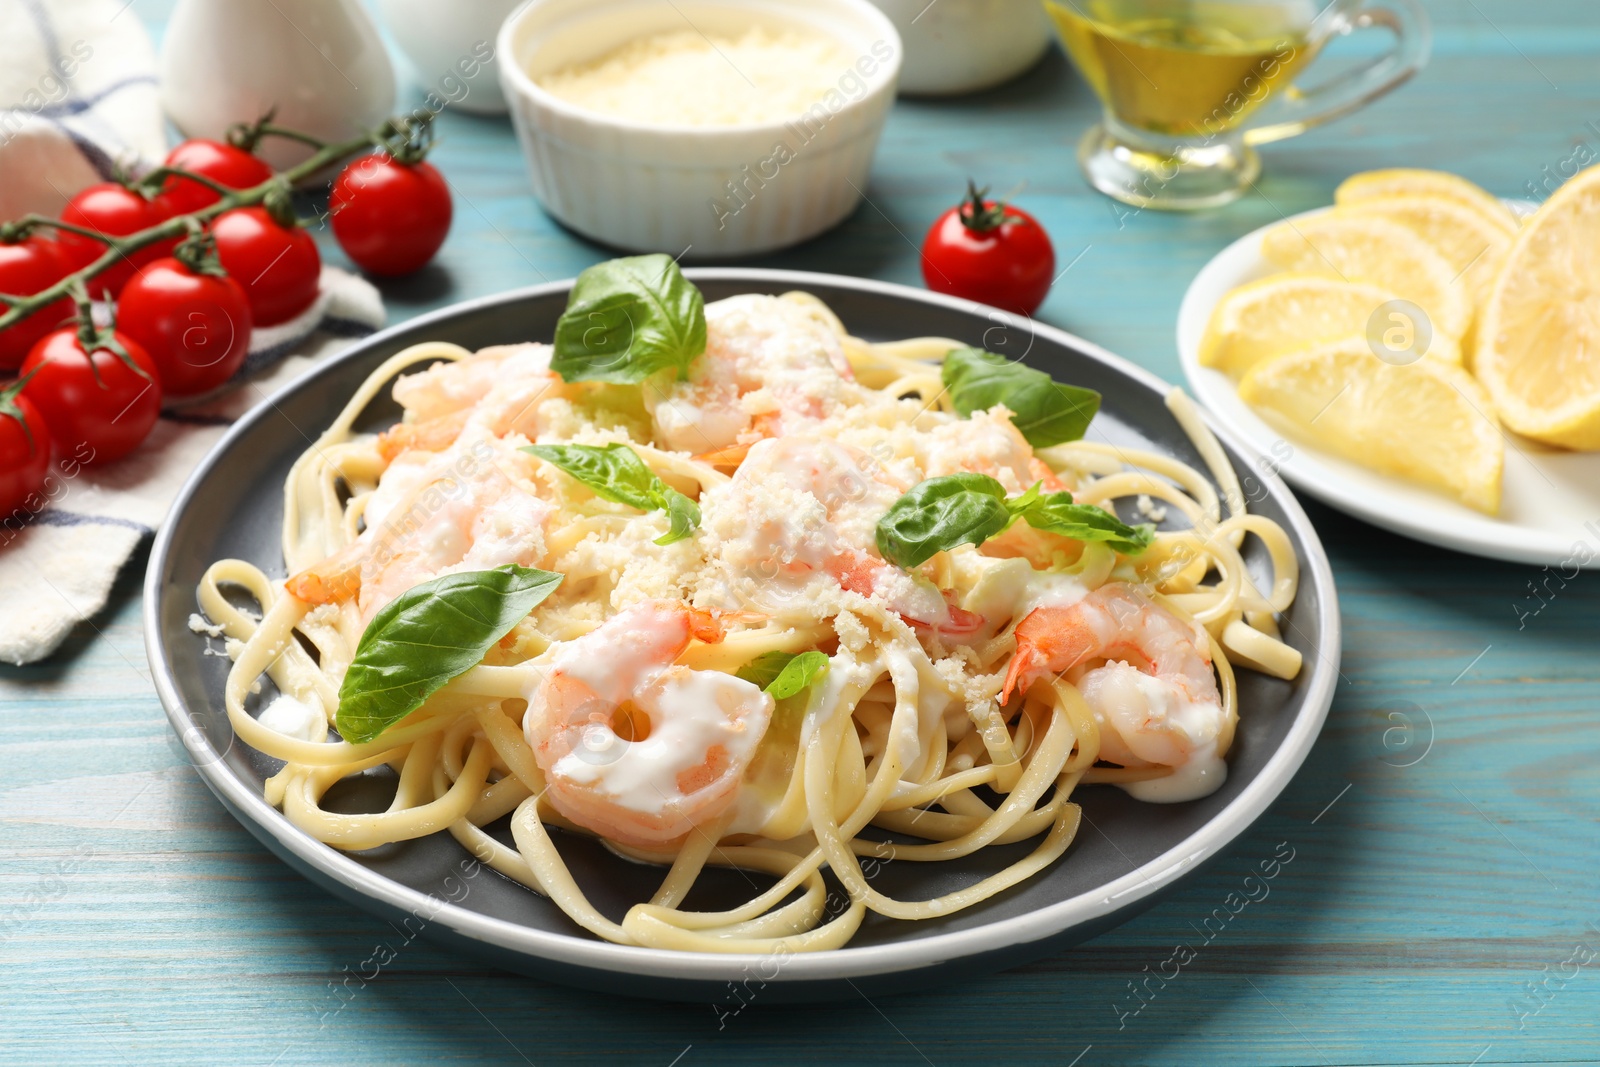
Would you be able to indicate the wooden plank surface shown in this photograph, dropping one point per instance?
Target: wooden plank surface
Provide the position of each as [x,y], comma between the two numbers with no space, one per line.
[1441,899]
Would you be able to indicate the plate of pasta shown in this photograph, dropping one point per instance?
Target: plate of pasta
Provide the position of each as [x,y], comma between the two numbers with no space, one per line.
[664,629]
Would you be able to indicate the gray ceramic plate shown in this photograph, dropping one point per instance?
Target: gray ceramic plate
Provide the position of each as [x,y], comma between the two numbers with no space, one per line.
[1127,854]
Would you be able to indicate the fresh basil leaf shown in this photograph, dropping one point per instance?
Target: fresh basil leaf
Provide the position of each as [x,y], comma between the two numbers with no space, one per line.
[1056,513]
[616,473]
[429,635]
[765,668]
[627,319]
[682,513]
[798,674]
[968,509]
[941,513]
[1043,410]
[783,674]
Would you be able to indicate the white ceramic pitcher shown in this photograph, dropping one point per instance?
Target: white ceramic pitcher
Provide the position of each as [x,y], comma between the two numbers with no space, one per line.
[321,63]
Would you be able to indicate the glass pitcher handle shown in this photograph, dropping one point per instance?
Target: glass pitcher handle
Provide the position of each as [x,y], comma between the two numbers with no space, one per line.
[1299,110]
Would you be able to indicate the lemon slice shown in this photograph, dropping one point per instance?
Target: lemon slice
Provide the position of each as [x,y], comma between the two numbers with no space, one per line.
[1539,340]
[1436,184]
[1363,248]
[1473,247]
[1286,313]
[1427,421]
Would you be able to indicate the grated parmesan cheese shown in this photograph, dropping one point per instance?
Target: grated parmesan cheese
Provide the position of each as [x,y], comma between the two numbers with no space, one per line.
[199,625]
[687,78]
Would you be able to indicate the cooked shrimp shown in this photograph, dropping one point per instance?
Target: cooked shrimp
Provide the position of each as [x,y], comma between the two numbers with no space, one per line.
[467,508]
[769,368]
[424,435]
[1145,673]
[634,747]
[986,443]
[499,388]
[834,496]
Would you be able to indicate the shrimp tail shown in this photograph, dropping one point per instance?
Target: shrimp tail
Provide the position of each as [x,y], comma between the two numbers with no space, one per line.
[961,623]
[1048,640]
[332,581]
[705,625]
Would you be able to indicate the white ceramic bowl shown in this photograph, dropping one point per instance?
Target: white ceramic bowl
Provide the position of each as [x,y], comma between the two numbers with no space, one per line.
[962,46]
[718,191]
[446,45]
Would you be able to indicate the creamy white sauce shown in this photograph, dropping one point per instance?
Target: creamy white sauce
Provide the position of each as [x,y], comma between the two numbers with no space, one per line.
[1051,589]
[846,674]
[756,805]
[294,718]
[918,684]
[1200,777]
[1151,720]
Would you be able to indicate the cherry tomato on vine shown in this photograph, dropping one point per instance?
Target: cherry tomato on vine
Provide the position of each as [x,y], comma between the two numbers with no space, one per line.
[27,266]
[221,162]
[193,320]
[24,451]
[277,266]
[990,252]
[115,211]
[92,395]
[390,216]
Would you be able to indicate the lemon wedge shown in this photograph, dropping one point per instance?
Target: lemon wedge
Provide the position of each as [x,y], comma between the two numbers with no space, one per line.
[1362,248]
[1285,313]
[1426,421]
[1473,247]
[1539,338]
[1435,184]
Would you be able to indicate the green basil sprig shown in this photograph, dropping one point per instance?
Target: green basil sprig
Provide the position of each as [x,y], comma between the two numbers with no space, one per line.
[1043,410]
[783,674]
[616,473]
[1056,513]
[627,319]
[968,509]
[428,635]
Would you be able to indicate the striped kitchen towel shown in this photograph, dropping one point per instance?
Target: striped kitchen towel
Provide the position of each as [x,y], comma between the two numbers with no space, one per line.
[77,96]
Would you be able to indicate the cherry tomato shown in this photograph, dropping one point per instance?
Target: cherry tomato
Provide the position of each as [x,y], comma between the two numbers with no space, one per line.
[195,325]
[26,267]
[98,399]
[222,163]
[24,453]
[278,267]
[990,252]
[391,217]
[115,211]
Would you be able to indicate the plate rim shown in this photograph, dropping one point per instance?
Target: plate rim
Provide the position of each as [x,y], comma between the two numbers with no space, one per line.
[844,963]
[1462,531]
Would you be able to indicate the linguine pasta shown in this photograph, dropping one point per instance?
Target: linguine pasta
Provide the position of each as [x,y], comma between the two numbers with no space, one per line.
[954,704]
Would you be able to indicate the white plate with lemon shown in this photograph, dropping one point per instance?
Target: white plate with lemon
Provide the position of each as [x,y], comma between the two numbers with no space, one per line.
[1419,355]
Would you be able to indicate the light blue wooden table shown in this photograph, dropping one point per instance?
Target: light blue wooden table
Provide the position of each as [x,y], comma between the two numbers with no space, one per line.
[1436,912]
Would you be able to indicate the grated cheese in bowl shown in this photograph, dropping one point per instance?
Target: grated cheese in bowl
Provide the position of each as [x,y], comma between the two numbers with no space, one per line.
[686,78]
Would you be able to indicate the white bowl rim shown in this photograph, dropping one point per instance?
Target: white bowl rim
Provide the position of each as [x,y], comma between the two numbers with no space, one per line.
[898,957]
[512,71]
